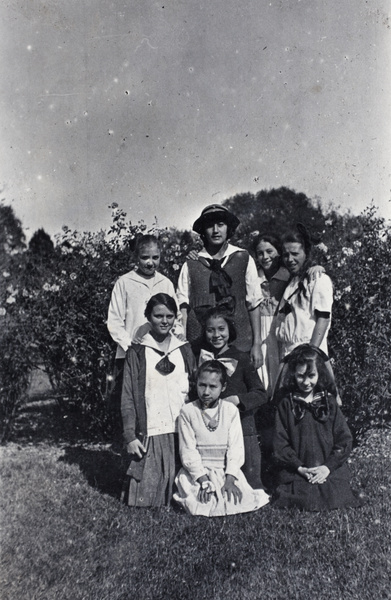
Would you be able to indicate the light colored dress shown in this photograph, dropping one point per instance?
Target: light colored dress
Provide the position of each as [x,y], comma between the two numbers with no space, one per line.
[129,298]
[215,454]
[297,312]
[272,291]
[151,402]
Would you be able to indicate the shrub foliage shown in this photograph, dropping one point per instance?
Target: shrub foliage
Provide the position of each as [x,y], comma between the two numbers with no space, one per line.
[54,299]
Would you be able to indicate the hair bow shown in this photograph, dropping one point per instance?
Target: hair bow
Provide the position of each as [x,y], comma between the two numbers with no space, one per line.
[230,364]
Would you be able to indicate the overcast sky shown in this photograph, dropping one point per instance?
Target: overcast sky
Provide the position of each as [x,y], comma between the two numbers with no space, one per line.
[164,107]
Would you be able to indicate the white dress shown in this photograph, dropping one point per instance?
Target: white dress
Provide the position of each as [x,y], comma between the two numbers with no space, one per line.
[296,327]
[215,454]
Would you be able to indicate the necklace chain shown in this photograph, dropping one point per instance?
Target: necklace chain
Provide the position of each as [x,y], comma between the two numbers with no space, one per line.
[211,423]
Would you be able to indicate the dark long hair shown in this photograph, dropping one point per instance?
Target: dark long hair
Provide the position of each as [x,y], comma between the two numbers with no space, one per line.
[301,236]
[214,313]
[271,238]
[309,356]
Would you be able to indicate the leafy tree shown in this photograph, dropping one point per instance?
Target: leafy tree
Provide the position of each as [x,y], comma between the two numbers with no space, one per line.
[276,210]
[41,244]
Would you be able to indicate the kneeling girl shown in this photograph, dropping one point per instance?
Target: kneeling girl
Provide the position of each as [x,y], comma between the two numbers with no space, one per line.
[211,482]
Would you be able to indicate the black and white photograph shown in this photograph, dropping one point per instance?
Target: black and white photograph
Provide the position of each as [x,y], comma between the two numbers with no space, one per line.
[195,300]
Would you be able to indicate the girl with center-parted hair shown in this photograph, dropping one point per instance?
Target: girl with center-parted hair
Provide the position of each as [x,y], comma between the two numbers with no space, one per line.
[312,441]
[155,386]
[305,307]
[211,482]
[244,388]
[273,280]
[126,320]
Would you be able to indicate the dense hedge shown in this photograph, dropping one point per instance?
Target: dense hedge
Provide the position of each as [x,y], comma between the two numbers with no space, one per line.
[54,299]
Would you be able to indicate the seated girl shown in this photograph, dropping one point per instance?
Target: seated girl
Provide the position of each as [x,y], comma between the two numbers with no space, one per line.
[212,451]
[312,441]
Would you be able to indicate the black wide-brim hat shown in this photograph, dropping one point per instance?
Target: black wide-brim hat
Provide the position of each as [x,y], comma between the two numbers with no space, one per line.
[213,213]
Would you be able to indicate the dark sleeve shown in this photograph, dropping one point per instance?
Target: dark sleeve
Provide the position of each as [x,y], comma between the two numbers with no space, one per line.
[129,394]
[283,451]
[255,395]
[343,441]
[191,368]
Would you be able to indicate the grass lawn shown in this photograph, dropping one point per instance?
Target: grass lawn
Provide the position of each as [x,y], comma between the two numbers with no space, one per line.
[64,534]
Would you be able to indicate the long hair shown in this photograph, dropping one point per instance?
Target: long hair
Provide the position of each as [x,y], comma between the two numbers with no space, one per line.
[308,356]
[272,238]
[214,313]
[303,237]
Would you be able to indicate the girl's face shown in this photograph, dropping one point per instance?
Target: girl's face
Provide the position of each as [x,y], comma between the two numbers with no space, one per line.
[306,377]
[217,333]
[161,320]
[267,256]
[294,257]
[209,388]
[215,234]
[148,260]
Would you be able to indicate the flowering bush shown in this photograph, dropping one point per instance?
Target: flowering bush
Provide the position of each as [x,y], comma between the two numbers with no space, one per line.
[53,309]
[361,327]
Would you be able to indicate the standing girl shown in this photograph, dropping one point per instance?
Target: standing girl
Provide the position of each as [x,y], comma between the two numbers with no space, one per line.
[312,441]
[224,276]
[244,388]
[211,447]
[305,308]
[155,386]
[273,279]
[126,319]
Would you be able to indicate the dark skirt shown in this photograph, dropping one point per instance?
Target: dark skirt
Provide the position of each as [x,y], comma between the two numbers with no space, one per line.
[334,493]
[149,483]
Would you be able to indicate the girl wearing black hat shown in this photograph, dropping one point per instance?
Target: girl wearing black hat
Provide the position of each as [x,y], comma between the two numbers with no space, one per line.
[224,276]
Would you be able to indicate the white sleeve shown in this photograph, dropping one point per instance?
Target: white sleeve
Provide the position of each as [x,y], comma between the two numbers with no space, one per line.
[190,457]
[322,294]
[116,316]
[178,325]
[183,285]
[253,289]
[235,450]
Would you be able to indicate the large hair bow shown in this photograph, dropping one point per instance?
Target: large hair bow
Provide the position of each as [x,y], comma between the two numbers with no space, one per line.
[230,364]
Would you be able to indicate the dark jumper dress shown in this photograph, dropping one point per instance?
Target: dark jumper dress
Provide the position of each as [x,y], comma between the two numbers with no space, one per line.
[308,437]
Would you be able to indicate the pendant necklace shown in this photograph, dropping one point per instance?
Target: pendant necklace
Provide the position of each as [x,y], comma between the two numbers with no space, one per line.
[211,423]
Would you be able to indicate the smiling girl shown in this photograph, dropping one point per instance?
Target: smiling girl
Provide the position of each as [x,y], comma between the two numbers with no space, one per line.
[244,389]
[305,308]
[126,320]
[155,386]
[311,441]
[273,279]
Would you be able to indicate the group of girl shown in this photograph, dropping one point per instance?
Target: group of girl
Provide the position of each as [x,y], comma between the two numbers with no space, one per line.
[194,367]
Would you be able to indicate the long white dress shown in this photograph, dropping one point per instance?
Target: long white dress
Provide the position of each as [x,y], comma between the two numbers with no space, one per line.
[215,454]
